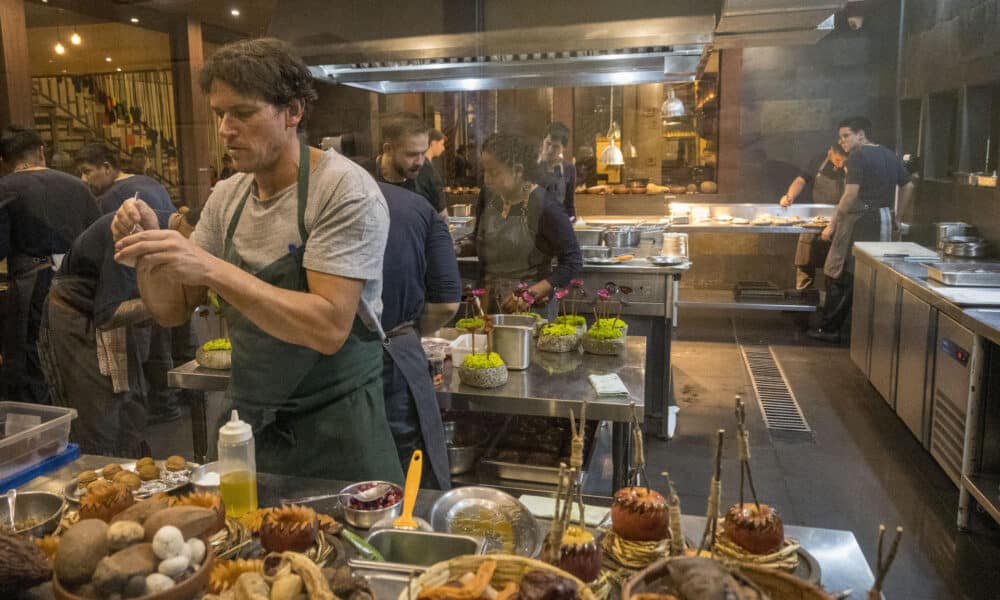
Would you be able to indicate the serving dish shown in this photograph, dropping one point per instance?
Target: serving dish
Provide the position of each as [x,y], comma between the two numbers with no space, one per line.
[662,261]
[364,519]
[41,511]
[168,481]
[506,524]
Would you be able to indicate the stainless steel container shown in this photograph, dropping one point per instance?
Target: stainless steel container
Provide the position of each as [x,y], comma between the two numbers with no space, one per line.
[514,344]
[460,210]
[364,519]
[465,444]
[966,247]
[422,548]
[621,237]
[951,229]
[588,236]
[595,251]
[44,509]
[674,244]
[514,321]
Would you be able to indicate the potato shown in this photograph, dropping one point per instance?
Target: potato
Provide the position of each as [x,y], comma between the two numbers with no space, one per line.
[81,548]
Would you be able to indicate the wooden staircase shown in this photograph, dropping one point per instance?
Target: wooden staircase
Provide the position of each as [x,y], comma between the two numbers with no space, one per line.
[69,115]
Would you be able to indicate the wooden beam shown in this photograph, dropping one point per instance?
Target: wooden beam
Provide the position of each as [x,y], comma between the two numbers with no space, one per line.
[15,68]
[191,107]
[730,97]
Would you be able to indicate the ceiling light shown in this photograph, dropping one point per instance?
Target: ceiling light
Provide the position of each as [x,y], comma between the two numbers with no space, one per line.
[612,155]
[134,19]
[235,12]
[59,48]
[75,39]
[107,59]
[119,69]
[672,106]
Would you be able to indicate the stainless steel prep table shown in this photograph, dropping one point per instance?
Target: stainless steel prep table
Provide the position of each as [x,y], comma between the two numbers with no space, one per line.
[983,323]
[532,392]
[840,558]
[651,312]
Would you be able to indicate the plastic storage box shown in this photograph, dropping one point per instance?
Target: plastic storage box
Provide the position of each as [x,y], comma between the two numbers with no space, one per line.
[462,347]
[30,433]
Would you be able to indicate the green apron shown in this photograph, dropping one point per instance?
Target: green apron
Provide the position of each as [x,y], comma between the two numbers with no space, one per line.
[313,415]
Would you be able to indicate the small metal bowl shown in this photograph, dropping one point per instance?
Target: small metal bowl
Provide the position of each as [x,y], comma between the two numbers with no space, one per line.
[663,261]
[502,508]
[364,519]
[595,251]
[465,444]
[201,473]
[44,506]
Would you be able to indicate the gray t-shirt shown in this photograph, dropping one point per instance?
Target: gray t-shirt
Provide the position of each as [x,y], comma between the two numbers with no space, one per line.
[346,218]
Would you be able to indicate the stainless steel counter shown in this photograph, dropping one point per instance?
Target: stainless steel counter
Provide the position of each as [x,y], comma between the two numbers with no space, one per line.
[841,560]
[636,265]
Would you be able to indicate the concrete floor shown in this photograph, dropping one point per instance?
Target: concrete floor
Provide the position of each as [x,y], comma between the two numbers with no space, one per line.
[861,467]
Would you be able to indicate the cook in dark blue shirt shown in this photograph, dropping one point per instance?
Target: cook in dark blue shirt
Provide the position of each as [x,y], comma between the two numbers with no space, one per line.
[558,174]
[421,290]
[100,169]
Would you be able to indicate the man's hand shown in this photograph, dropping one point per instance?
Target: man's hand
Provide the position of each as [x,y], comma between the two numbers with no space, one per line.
[133,216]
[827,233]
[785,201]
[176,257]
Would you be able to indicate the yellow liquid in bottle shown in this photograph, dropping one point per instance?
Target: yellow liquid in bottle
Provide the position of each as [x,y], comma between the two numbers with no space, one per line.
[239,493]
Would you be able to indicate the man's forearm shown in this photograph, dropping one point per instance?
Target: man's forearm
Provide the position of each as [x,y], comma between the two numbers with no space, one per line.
[795,188]
[298,318]
[436,315]
[905,202]
[845,205]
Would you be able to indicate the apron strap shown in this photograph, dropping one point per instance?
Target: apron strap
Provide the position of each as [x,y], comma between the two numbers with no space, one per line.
[302,197]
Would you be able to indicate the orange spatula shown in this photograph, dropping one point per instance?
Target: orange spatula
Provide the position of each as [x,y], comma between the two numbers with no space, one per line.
[406,520]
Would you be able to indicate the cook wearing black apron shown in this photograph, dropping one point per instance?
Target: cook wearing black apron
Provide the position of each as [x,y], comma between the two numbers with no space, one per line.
[313,415]
[419,270]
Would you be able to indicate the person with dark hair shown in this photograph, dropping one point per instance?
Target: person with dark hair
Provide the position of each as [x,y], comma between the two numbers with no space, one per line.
[93,309]
[292,245]
[99,168]
[821,182]
[420,293]
[520,229]
[402,162]
[437,141]
[559,174]
[864,214]
[138,161]
[41,212]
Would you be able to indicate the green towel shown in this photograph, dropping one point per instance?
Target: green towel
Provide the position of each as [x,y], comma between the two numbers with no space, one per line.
[609,386]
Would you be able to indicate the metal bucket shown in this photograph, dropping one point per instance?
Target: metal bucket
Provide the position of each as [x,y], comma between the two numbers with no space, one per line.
[622,237]
[513,344]
[588,236]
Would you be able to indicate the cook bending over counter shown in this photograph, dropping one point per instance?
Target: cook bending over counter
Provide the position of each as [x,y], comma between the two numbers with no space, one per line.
[520,230]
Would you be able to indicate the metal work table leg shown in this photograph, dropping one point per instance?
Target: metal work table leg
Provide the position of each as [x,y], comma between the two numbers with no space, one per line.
[199,425]
[620,443]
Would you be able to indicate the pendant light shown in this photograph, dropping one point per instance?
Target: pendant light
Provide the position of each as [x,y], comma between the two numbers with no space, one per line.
[75,39]
[612,156]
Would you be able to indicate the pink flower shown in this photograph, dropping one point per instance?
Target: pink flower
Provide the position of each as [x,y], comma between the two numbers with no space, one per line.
[522,286]
[479,292]
[527,297]
[603,294]
[560,294]
[577,283]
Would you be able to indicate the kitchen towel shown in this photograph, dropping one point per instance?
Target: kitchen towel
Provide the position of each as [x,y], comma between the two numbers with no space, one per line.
[609,386]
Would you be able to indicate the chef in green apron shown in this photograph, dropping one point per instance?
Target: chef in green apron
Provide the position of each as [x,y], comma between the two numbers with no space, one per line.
[292,245]
[822,182]
[520,230]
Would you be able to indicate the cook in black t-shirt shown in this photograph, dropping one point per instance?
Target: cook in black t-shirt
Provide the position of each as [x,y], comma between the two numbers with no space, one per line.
[100,169]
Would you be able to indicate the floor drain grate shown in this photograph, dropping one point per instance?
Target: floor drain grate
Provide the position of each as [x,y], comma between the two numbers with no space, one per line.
[777,402]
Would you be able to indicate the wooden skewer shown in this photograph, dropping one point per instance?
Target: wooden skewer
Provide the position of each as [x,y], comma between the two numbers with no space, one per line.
[712,514]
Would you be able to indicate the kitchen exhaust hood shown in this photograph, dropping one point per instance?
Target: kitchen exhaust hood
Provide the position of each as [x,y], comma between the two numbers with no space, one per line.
[468,45]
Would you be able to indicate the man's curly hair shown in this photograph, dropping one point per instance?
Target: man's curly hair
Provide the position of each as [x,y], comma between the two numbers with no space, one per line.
[265,68]
[515,150]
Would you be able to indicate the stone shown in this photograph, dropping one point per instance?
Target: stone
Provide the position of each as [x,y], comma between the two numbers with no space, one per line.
[168,542]
[158,582]
[197,551]
[136,587]
[174,567]
[114,572]
[80,549]
[192,521]
[122,534]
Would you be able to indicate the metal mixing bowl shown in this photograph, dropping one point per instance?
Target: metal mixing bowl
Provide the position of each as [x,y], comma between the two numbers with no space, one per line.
[465,444]
[46,507]
[199,474]
[502,509]
[366,518]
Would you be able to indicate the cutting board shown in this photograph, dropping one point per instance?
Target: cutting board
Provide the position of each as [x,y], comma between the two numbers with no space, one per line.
[909,249]
[967,296]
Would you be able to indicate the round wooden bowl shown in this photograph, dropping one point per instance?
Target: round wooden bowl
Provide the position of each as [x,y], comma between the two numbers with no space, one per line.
[185,590]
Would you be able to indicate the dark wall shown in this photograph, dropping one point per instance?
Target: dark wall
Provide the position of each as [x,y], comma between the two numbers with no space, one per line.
[341,109]
[950,44]
[793,96]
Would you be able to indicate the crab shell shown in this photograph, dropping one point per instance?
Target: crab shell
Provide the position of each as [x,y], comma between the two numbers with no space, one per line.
[640,514]
[756,532]
[580,554]
[289,528]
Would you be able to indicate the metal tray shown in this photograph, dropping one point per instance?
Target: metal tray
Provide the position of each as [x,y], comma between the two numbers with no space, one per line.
[492,469]
[974,274]
[174,480]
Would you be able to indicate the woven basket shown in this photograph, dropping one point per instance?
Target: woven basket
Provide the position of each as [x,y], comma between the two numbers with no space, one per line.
[774,583]
[510,569]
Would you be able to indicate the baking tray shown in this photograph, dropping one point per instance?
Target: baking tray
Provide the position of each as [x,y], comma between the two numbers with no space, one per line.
[968,274]
[169,481]
[498,469]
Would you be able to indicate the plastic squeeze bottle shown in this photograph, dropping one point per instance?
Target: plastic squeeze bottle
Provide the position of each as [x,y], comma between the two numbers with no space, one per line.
[237,467]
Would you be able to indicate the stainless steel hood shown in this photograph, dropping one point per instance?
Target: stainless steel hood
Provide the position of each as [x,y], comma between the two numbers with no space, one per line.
[567,43]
